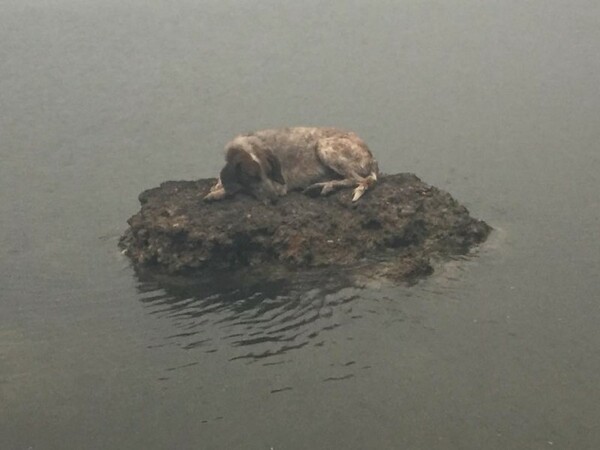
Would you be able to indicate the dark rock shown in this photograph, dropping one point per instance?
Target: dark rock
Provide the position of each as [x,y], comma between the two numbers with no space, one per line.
[394,230]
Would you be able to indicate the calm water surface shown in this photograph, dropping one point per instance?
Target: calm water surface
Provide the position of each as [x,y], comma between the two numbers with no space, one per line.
[496,102]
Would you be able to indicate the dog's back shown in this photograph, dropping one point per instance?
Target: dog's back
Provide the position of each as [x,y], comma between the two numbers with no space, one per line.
[296,149]
[300,151]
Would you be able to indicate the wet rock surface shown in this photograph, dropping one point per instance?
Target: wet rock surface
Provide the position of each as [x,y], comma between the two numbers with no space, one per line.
[396,230]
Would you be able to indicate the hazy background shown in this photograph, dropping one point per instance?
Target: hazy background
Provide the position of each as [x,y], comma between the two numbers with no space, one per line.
[496,102]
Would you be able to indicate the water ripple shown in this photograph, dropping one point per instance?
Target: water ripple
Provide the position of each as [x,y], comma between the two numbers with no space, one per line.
[250,320]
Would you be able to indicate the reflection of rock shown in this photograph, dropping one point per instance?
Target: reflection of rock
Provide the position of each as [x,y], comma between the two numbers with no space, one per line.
[393,230]
[246,318]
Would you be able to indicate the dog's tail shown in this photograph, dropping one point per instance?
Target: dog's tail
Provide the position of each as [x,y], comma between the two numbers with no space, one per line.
[366,182]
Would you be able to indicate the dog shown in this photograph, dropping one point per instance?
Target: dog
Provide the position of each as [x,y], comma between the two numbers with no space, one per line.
[268,164]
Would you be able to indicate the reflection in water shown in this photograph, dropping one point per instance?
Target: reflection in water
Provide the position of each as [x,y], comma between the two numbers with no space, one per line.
[252,319]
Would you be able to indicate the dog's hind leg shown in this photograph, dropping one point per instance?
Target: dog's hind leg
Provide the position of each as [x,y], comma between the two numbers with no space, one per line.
[349,157]
[327,187]
[361,184]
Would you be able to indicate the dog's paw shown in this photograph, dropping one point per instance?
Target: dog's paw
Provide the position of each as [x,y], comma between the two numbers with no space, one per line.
[358,192]
[214,195]
[328,188]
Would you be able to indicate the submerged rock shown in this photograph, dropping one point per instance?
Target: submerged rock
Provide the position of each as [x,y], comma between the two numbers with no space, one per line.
[395,230]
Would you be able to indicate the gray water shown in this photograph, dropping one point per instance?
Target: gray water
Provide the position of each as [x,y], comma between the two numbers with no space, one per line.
[496,102]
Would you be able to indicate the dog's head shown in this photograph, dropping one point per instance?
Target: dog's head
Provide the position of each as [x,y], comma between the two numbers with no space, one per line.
[251,173]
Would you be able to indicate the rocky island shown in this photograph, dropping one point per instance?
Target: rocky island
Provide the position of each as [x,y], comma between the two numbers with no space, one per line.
[395,231]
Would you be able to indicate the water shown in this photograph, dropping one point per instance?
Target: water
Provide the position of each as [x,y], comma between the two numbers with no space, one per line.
[496,102]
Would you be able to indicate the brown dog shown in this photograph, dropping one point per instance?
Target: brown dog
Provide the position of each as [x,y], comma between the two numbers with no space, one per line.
[269,163]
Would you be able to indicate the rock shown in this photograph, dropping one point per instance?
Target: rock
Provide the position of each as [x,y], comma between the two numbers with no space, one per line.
[395,230]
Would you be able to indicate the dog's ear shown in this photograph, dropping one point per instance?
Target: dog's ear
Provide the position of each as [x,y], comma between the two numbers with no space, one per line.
[274,168]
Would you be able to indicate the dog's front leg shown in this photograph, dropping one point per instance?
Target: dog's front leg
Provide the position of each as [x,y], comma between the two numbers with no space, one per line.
[217,192]
[215,195]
